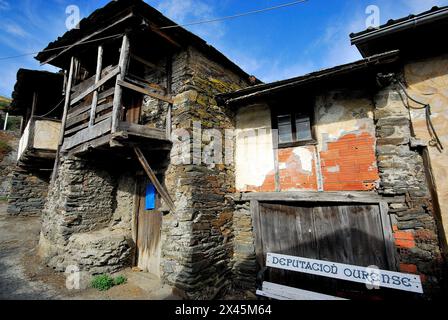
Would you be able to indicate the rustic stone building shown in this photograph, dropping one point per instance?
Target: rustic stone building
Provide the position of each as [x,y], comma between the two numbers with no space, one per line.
[358,130]
[146,174]
[36,98]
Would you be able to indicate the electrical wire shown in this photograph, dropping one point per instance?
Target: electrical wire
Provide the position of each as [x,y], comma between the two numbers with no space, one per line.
[59,103]
[427,107]
[238,15]
[168,27]
[62,47]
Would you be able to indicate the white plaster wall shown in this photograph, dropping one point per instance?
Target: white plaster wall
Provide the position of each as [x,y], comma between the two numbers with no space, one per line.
[254,157]
[46,134]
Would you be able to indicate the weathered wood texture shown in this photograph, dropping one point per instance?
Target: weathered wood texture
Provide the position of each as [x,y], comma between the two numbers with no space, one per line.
[160,189]
[314,196]
[99,67]
[123,64]
[145,91]
[351,234]
[149,225]
[87,134]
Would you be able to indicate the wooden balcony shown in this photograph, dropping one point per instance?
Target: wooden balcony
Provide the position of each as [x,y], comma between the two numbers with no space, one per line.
[96,115]
[39,142]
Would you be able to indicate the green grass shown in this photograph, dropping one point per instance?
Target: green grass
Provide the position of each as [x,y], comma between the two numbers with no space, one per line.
[104,282]
[4,102]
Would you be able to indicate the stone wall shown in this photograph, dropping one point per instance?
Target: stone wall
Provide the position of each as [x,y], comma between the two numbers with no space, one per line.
[197,241]
[427,81]
[9,143]
[402,172]
[87,218]
[28,191]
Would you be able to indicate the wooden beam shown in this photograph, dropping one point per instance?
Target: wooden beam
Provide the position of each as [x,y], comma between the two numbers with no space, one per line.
[67,101]
[98,142]
[95,86]
[90,36]
[143,82]
[123,64]
[160,189]
[314,196]
[144,91]
[147,63]
[68,90]
[99,67]
[142,131]
[87,134]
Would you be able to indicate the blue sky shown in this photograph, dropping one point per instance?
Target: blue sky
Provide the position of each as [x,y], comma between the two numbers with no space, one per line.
[274,45]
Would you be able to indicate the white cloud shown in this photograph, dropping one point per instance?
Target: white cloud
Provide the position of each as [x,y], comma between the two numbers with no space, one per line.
[4,5]
[15,30]
[187,11]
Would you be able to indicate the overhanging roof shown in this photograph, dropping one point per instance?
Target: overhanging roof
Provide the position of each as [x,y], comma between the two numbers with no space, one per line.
[314,77]
[414,32]
[30,81]
[132,12]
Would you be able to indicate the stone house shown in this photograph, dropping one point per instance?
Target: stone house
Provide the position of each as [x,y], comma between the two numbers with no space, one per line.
[309,149]
[36,99]
[173,159]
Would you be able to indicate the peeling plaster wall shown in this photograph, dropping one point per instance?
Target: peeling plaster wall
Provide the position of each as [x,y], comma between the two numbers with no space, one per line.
[345,133]
[253,148]
[428,82]
[346,140]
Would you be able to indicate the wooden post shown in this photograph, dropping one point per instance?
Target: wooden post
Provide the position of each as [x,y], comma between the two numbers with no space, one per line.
[160,189]
[68,90]
[99,67]
[33,106]
[123,65]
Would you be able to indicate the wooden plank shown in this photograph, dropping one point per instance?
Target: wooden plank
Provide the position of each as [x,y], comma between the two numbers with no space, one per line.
[87,134]
[342,271]
[388,237]
[140,80]
[142,131]
[86,124]
[280,292]
[84,116]
[83,85]
[160,189]
[147,63]
[90,36]
[99,66]
[95,86]
[314,196]
[67,100]
[123,64]
[256,223]
[145,91]
[98,142]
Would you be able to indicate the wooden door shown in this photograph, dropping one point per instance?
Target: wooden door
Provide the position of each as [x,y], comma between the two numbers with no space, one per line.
[351,234]
[149,224]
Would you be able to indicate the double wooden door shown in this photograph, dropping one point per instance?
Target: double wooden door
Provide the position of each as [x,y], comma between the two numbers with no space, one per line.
[352,234]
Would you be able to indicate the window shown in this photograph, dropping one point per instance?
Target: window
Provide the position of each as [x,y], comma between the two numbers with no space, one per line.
[293,128]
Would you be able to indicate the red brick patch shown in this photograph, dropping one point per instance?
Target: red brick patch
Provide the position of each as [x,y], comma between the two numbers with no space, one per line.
[408,268]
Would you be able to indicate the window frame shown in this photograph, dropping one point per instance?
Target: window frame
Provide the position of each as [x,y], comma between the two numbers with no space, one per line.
[275,112]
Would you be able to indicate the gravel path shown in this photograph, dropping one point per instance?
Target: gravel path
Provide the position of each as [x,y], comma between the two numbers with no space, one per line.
[24,277]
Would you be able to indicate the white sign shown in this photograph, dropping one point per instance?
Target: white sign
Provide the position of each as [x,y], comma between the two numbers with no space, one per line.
[370,276]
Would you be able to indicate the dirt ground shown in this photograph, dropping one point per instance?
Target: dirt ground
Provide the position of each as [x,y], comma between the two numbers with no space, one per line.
[24,277]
